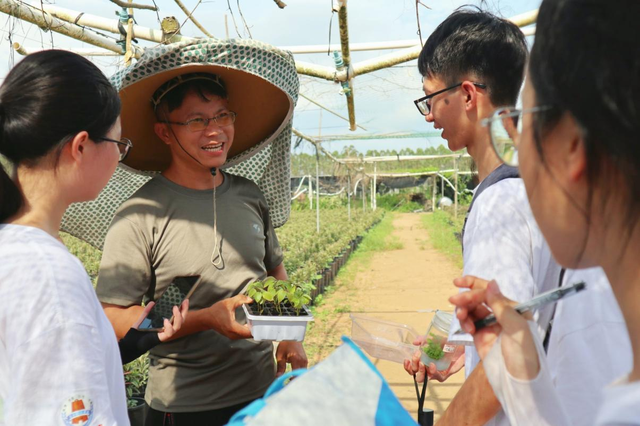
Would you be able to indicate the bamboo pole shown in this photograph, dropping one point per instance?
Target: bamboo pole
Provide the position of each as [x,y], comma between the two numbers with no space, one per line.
[20,49]
[82,52]
[353,47]
[346,58]
[48,22]
[105,24]
[134,5]
[193,19]
[524,19]
[319,71]
[129,54]
[34,15]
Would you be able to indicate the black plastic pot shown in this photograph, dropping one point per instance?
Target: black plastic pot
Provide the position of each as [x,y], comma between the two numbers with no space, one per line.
[136,414]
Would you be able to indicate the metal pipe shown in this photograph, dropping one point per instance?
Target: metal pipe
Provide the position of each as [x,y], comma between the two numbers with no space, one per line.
[374,196]
[433,197]
[389,158]
[317,191]
[310,193]
[328,110]
[349,197]
[455,193]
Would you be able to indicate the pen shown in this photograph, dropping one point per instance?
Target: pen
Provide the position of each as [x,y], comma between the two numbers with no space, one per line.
[545,298]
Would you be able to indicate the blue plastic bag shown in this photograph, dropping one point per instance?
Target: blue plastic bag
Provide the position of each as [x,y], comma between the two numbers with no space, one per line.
[344,389]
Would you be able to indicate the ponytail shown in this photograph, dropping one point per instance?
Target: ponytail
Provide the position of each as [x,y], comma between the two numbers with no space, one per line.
[45,100]
[10,195]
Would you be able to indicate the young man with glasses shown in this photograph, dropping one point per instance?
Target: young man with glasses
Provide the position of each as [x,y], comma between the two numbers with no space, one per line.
[471,64]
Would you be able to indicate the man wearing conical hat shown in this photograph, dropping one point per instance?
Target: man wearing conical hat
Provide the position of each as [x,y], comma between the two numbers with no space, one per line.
[190,107]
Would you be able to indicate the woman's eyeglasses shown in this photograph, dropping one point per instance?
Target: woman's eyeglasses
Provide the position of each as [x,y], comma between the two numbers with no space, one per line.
[124,145]
[505,128]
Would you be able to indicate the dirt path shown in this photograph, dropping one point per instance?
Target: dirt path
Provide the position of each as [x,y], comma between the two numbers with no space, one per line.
[393,286]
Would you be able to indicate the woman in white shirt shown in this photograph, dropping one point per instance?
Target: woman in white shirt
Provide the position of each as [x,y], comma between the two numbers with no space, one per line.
[577,142]
[59,359]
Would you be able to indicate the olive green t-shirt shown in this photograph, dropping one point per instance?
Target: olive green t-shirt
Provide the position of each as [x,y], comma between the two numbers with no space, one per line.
[164,231]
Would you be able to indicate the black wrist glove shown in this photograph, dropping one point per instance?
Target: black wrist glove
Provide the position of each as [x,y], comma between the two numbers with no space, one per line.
[135,343]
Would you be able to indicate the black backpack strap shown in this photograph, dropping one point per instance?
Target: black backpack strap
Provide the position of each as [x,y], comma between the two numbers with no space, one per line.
[547,335]
[500,173]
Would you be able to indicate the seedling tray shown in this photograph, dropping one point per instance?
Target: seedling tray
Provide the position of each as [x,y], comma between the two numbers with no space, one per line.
[288,326]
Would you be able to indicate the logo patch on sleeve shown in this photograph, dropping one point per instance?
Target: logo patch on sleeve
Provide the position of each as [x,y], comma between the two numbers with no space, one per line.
[77,411]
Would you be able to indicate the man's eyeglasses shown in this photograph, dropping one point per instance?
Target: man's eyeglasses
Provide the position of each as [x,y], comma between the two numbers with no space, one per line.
[124,145]
[505,128]
[200,124]
[424,105]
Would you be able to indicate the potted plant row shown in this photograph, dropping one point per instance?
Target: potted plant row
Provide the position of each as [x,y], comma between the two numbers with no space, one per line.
[279,310]
[135,377]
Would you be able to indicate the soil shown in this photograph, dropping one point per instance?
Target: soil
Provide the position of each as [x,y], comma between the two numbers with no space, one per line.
[403,286]
[269,310]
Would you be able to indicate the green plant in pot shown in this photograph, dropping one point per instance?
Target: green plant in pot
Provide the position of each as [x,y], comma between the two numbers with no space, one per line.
[433,352]
[279,298]
[136,374]
[278,312]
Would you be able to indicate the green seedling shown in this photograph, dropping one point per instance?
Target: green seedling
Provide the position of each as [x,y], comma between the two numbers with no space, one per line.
[279,293]
[433,349]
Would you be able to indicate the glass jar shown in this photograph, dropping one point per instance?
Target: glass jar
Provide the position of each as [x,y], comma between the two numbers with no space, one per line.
[436,349]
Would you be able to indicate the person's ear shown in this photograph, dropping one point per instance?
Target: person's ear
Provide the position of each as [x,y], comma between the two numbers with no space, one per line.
[162,131]
[575,152]
[79,145]
[470,92]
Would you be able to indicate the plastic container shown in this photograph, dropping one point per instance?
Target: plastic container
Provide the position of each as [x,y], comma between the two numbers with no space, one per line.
[278,328]
[436,348]
[383,339]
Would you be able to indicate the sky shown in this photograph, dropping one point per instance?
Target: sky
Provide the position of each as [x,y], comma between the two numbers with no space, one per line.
[383,99]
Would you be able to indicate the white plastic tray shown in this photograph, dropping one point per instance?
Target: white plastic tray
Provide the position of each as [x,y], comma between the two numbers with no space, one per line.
[278,328]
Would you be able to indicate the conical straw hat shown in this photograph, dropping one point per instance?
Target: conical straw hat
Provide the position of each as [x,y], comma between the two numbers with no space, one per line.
[262,85]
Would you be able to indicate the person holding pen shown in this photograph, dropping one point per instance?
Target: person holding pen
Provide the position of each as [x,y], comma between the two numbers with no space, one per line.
[579,156]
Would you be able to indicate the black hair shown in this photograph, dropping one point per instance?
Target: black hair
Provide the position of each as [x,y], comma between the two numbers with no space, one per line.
[475,42]
[586,61]
[45,100]
[202,87]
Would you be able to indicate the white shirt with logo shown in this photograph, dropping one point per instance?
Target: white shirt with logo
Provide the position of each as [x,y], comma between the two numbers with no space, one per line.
[59,358]
[503,242]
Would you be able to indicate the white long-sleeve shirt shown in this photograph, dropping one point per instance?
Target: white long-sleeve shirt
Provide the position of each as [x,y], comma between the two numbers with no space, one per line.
[536,402]
[59,358]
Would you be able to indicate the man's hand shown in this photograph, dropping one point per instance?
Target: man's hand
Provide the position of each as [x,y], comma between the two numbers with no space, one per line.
[290,353]
[221,317]
[415,366]
[518,347]
[179,315]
